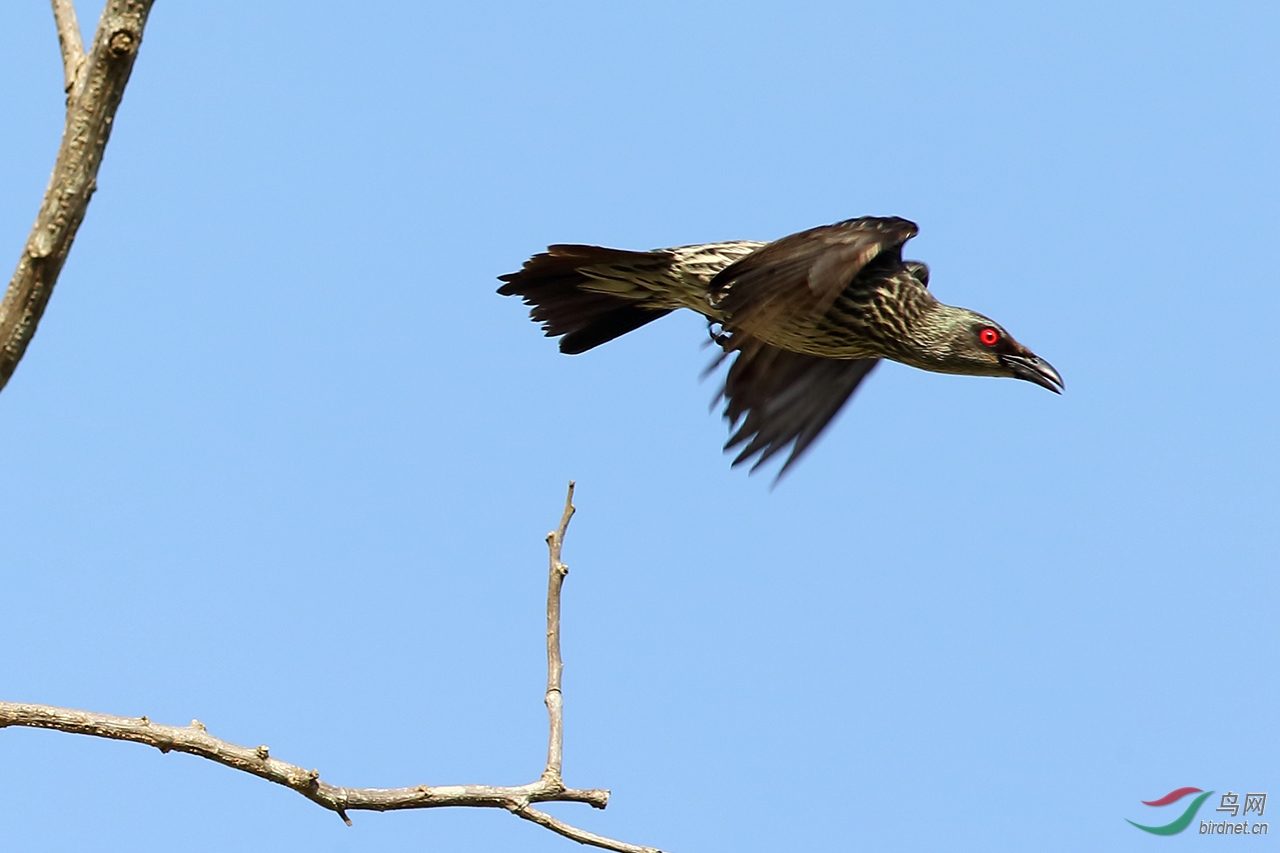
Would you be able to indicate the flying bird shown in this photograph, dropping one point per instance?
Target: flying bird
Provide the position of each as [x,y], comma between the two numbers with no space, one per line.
[806,317]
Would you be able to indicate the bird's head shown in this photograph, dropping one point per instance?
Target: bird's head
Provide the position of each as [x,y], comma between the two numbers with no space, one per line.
[957,340]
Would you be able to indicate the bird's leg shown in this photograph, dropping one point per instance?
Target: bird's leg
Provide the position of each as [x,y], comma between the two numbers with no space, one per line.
[717,333]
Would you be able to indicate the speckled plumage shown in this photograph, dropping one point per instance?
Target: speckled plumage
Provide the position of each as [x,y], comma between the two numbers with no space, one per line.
[806,317]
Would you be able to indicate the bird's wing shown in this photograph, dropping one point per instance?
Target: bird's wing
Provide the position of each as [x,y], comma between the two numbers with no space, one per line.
[802,274]
[774,397]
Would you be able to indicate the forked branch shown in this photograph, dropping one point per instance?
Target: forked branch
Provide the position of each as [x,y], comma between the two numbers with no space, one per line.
[94,86]
[517,799]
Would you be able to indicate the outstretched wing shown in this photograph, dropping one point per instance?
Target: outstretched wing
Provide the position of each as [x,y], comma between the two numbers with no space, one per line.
[802,274]
[775,398]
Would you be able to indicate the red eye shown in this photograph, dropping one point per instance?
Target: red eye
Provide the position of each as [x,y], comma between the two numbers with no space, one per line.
[989,337]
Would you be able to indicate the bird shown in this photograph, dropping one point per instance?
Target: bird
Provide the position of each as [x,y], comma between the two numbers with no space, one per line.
[806,318]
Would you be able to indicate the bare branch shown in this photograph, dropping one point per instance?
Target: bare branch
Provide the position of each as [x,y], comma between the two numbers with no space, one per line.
[517,799]
[555,665]
[91,109]
[196,740]
[64,15]
[581,835]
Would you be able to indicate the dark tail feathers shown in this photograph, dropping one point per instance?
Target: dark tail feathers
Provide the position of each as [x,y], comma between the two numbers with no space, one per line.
[552,283]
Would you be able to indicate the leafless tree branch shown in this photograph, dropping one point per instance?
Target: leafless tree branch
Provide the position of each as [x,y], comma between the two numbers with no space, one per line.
[95,85]
[555,665]
[64,15]
[517,799]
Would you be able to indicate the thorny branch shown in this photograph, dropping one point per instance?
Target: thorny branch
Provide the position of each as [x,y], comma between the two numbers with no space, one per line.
[517,799]
[94,86]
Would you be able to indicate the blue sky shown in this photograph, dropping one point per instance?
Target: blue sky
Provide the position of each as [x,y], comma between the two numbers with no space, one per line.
[281,460]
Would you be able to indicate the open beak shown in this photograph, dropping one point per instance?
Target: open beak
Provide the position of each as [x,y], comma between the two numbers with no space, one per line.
[1034,369]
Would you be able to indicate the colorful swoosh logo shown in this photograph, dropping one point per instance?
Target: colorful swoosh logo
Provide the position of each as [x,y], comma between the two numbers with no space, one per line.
[1171,797]
[1176,826]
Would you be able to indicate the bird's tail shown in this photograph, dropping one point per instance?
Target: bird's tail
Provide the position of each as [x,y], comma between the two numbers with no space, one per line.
[590,294]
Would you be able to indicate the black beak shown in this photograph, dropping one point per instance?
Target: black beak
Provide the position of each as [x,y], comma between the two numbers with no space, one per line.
[1034,369]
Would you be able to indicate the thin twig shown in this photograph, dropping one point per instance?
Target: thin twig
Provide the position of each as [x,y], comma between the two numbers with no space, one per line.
[581,835]
[91,107]
[517,799]
[64,15]
[555,664]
